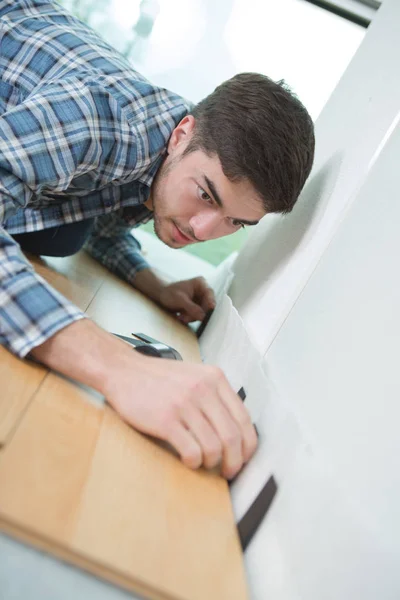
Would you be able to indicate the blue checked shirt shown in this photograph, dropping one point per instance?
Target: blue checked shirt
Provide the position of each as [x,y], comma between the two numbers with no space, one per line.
[81,135]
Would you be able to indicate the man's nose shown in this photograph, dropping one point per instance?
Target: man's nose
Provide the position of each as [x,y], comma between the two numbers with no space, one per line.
[206,225]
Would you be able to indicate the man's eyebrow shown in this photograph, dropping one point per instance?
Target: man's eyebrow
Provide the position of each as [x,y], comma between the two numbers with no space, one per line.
[245,222]
[214,192]
[218,200]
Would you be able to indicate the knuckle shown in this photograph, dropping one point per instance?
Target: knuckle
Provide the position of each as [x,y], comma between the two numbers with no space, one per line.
[180,295]
[199,387]
[215,373]
[232,471]
[232,467]
[192,458]
[248,451]
[204,382]
[166,422]
[212,453]
[245,419]
[253,443]
[231,438]
[182,406]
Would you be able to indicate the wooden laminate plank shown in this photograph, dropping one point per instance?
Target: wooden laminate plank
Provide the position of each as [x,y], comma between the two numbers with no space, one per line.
[45,465]
[19,382]
[173,531]
[76,480]
[78,279]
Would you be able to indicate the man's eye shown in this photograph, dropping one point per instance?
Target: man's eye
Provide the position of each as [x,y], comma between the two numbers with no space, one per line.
[204,196]
[237,223]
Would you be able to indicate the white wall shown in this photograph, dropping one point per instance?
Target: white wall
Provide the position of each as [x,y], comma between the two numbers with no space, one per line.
[330,428]
[320,304]
[196,44]
[350,132]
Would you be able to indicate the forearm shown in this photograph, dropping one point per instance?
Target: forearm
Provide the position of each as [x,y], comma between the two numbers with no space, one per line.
[86,353]
[150,283]
[113,245]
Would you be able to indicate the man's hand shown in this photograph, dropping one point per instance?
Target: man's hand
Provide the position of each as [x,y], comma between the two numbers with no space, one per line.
[190,299]
[190,406]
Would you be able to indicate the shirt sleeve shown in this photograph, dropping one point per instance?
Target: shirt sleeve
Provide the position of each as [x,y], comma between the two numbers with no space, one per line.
[112,244]
[44,141]
[61,134]
[31,311]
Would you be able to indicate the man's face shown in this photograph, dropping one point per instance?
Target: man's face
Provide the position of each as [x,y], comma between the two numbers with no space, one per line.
[193,201]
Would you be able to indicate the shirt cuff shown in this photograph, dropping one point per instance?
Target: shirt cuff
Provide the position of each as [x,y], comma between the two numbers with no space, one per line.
[31,311]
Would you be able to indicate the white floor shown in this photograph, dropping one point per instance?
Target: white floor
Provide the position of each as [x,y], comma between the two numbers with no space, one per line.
[176,264]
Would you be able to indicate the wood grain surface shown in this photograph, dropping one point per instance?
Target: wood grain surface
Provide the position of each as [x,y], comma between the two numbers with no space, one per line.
[19,382]
[78,482]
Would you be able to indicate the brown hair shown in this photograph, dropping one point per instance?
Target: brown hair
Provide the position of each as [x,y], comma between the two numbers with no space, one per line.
[261,132]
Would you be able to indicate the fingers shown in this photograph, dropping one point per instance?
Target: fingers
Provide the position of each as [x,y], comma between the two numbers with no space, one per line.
[229,436]
[208,300]
[207,439]
[191,299]
[205,435]
[221,425]
[241,416]
[203,293]
[200,415]
[186,445]
[189,310]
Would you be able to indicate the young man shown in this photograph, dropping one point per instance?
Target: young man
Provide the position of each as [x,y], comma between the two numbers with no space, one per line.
[90,149]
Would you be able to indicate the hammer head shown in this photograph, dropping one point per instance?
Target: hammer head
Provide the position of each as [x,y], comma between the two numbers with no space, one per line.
[148,345]
[164,351]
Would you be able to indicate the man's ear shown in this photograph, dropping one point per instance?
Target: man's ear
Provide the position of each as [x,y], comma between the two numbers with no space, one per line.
[181,135]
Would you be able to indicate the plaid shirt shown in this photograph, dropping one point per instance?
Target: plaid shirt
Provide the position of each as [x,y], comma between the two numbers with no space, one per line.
[81,135]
